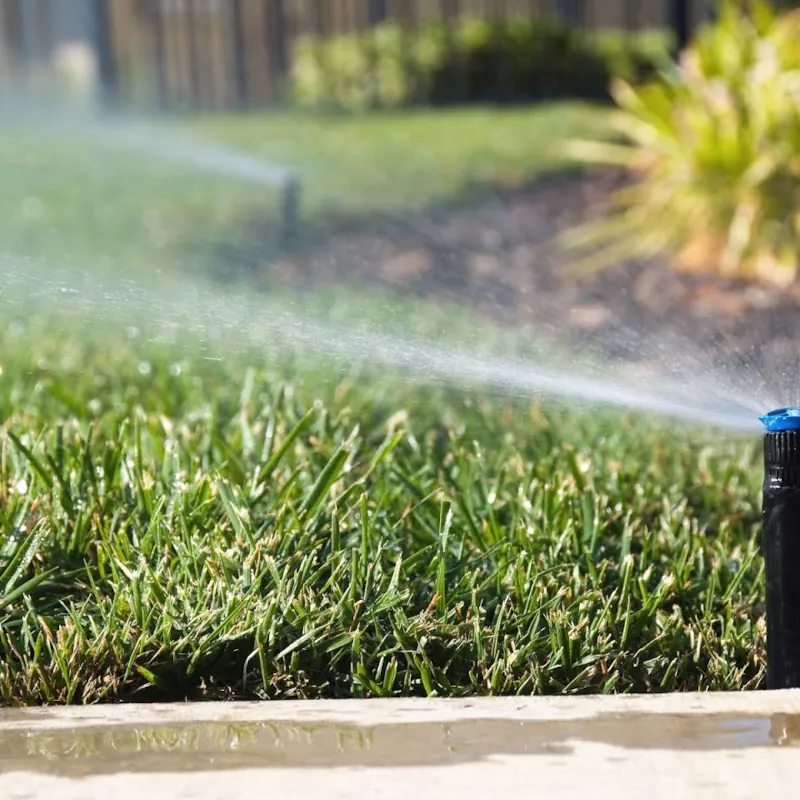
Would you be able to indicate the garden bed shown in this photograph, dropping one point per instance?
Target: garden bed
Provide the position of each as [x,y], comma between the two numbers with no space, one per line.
[496,254]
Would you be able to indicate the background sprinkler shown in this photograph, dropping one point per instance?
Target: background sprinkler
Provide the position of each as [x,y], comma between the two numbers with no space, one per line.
[781,546]
[290,207]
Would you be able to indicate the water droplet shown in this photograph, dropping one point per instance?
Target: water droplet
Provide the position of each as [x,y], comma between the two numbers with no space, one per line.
[32,207]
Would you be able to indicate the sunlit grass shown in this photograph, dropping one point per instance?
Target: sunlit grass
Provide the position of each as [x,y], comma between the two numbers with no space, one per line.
[72,197]
[176,523]
[388,161]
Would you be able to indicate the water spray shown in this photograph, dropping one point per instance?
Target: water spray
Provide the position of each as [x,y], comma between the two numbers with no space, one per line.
[781,546]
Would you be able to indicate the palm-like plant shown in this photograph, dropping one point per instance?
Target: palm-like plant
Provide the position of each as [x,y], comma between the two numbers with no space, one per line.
[715,147]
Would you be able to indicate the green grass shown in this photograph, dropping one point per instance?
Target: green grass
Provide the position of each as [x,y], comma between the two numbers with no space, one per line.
[201,517]
[177,523]
[67,197]
[390,161]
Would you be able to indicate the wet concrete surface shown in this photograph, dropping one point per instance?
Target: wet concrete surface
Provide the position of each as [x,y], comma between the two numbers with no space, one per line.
[217,747]
[730,746]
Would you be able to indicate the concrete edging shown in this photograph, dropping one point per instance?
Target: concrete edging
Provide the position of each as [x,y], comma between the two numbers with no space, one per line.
[378,712]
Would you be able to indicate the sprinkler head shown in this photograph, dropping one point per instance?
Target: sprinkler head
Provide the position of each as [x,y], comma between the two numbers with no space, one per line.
[782,419]
[781,546]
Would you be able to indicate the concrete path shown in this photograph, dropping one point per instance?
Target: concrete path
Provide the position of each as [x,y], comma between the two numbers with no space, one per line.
[725,746]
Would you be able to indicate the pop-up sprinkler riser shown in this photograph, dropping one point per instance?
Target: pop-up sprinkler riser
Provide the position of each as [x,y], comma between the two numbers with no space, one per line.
[781,546]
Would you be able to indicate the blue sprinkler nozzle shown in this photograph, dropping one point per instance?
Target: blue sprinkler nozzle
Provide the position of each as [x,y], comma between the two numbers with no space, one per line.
[782,419]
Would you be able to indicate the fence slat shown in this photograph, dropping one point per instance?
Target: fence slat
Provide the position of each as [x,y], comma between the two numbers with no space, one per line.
[156,25]
[239,53]
[681,23]
[277,47]
[196,84]
[106,57]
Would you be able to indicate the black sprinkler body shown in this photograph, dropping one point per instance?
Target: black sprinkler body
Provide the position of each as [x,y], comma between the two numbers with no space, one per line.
[781,546]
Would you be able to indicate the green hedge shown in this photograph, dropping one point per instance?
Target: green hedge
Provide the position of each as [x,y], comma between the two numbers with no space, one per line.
[468,61]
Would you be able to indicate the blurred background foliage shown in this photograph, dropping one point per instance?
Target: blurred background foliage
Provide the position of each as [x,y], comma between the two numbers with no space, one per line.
[714,146]
[469,60]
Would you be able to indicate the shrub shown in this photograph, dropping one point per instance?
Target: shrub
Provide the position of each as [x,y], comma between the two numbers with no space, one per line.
[470,60]
[715,146]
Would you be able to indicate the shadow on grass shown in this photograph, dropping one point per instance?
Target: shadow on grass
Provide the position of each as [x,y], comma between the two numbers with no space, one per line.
[258,243]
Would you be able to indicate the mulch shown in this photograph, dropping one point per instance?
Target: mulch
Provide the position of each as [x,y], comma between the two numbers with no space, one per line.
[491,253]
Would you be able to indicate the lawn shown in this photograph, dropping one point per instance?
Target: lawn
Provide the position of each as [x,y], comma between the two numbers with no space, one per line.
[223,522]
[85,196]
[203,510]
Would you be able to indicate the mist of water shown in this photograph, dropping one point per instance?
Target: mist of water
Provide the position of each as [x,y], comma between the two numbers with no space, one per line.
[271,330]
[686,386]
[127,136]
[192,152]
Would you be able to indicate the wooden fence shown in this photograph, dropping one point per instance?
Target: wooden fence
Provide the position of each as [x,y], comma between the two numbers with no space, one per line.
[225,54]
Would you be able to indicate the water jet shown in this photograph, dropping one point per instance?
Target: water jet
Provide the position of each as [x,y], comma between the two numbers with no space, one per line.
[781,546]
